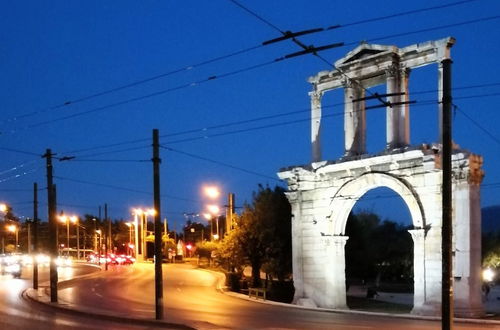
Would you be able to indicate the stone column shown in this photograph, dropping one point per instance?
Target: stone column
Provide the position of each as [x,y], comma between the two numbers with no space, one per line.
[467,239]
[316,125]
[295,199]
[392,112]
[418,236]
[334,272]
[354,120]
[440,101]
[404,109]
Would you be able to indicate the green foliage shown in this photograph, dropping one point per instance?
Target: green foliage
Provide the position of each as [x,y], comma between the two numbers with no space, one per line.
[491,250]
[263,236]
[230,252]
[204,249]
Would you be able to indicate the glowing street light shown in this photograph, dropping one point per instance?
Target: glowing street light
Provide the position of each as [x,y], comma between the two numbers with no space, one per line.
[214,209]
[3,207]
[13,229]
[211,192]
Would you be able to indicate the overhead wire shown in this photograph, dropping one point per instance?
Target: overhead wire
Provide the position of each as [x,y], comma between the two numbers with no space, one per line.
[122,188]
[227,74]
[245,121]
[216,59]
[219,163]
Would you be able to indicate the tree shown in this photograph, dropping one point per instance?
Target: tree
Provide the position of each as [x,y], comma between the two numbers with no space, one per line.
[265,233]
[368,254]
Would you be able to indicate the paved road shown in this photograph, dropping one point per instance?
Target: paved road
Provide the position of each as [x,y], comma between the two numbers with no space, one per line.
[191,298]
[16,313]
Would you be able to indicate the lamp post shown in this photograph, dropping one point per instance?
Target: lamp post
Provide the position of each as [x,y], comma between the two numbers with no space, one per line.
[3,209]
[129,225]
[64,219]
[98,232]
[214,211]
[14,229]
[74,220]
[213,193]
[95,233]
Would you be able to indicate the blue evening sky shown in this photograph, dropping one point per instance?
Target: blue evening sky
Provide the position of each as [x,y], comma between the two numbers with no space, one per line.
[256,120]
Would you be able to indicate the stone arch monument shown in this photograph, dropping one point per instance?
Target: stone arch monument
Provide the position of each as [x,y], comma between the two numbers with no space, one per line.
[323,192]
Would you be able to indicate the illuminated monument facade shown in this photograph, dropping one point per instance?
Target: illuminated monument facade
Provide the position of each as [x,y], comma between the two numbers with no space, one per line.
[323,193]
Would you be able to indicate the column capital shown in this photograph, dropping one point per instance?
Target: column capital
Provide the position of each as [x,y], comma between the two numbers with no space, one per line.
[392,70]
[404,72]
[316,94]
[417,234]
[348,83]
[476,173]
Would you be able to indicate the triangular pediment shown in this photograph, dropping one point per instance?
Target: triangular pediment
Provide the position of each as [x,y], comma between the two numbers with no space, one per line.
[364,50]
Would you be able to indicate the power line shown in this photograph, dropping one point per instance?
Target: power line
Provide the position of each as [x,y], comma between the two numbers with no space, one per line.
[488,133]
[150,95]
[17,167]
[132,84]
[261,118]
[404,13]
[246,121]
[122,188]
[215,59]
[253,67]
[220,163]
[20,151]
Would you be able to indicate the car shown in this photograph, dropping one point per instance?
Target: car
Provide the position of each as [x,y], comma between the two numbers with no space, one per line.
[64,261]
[11,265]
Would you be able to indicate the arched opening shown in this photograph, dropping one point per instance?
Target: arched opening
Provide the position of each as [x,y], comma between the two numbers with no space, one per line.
[379,253]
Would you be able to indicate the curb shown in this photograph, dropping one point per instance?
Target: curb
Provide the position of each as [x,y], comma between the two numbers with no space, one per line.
[358,312]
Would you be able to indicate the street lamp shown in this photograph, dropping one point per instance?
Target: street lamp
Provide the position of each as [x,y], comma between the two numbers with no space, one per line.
[64,219]
[211,192]
[74,220]
[129,225]
[214,212]
[98,232]
[3,209]
[95,233]
[13,229]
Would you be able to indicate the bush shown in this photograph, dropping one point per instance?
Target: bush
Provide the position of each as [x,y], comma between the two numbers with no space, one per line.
[233,281]
[282,291]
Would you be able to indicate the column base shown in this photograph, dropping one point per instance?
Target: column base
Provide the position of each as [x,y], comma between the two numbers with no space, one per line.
[427,310]
[306,302]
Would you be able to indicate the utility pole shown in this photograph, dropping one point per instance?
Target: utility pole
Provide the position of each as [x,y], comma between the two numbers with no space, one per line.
[447,228]
[28,223]
[107,238]
[35,235]
[110,238]
[52,210]
[229,212]
[158,241]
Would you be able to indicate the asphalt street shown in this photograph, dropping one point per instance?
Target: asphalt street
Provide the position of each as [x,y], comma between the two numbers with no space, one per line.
[192,297]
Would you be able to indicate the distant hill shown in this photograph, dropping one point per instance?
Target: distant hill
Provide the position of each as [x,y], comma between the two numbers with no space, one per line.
[490,218]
